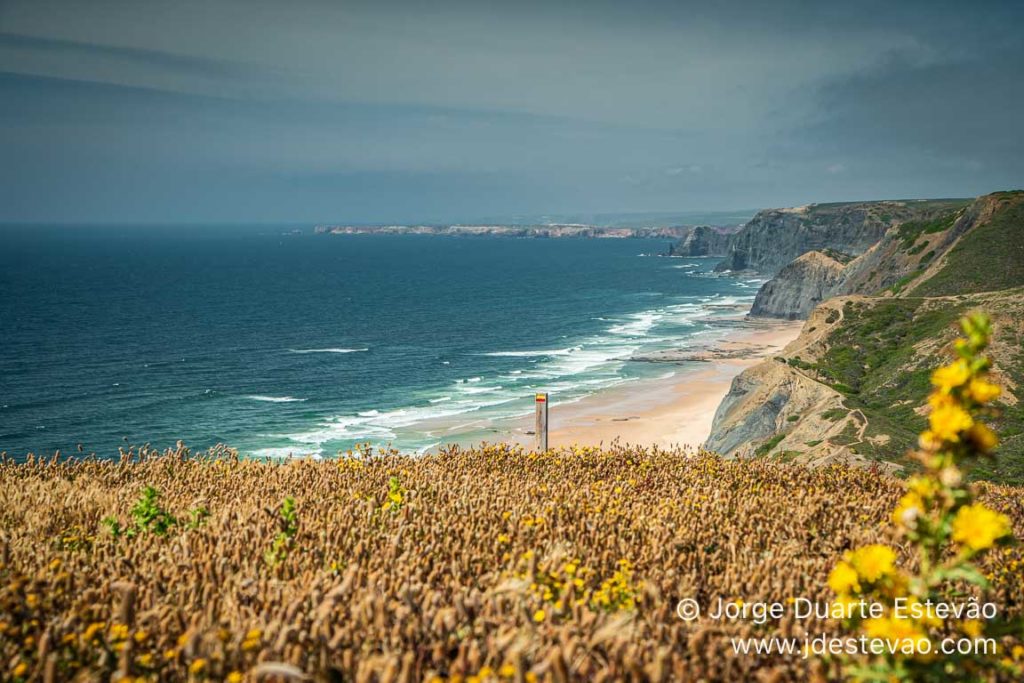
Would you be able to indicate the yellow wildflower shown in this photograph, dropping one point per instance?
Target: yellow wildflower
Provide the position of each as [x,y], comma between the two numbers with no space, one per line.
[872,562]
[971,627]
[197,666]
[843,579]
[951,376]
[924,487]
[539,616]
[21,669]
[92,630]
[908,510]
[896,630]
[978,527]
[939,400]
[948,421]
[234,677]
[982,391]
[982,437]
[928,441]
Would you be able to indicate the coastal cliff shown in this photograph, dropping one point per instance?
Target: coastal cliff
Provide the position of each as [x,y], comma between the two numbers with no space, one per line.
[848,388]
[775,237]
[703,240]
[800,286]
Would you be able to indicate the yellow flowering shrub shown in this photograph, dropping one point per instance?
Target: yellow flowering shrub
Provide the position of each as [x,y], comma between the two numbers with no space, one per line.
[947,531]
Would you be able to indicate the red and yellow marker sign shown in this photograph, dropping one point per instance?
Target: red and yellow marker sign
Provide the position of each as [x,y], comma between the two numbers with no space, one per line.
[542,398]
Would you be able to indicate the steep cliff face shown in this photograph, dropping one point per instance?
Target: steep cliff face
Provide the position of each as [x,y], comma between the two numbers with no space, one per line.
[703,240]
[903,256]
[775,237]
[851,387]
[799,287]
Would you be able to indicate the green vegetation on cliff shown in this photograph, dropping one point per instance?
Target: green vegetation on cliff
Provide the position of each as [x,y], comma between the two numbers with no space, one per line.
[881,357]
[988,258]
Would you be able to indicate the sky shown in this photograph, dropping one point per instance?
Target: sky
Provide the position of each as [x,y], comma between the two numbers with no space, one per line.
[394,111]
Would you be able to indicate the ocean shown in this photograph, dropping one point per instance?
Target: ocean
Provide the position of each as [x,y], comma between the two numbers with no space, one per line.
[278,343]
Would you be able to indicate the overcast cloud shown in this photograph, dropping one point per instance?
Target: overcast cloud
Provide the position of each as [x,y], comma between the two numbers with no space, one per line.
[435,111]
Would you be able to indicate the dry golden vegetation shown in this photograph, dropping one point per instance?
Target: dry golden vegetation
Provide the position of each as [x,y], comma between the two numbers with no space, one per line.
[485,564]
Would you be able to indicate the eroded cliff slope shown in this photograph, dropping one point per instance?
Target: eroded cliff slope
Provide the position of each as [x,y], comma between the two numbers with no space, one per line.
[800,286]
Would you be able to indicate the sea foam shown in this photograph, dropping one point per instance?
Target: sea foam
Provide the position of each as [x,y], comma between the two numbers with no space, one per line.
[275,399]
[330,350]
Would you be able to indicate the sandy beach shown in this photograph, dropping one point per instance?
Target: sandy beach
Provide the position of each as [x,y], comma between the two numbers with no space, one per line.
[674,410]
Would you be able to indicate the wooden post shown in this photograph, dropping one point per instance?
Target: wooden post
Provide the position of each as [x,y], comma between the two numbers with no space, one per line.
[542,423]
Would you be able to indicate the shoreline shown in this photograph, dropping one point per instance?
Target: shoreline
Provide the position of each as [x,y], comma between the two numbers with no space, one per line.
[670,411]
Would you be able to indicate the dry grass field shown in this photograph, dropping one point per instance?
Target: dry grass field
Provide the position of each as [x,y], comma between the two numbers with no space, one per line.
[486,564]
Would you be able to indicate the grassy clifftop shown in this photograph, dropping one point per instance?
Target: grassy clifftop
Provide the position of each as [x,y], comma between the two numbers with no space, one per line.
[989,257]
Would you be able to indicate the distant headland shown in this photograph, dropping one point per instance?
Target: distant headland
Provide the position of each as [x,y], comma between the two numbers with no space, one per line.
[552,230]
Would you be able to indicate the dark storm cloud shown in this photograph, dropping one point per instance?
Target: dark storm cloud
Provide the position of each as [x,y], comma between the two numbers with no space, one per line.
[961,110]
[20,48]
[449,110]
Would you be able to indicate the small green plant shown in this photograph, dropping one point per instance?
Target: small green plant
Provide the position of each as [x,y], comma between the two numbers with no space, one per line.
[113,526]
[149,516]
[197,517]
[766,447]
[834,414]
[288,523]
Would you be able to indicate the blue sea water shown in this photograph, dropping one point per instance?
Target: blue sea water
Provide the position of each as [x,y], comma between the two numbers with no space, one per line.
[276,343]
